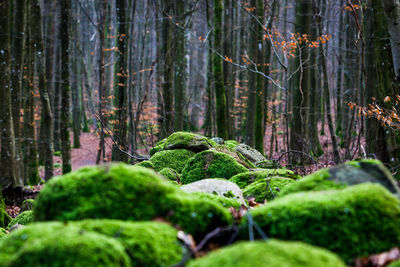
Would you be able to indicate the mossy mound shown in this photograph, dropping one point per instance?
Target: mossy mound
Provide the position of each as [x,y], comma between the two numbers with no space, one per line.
[225,201]
[125,192]
[23,218]
[353,222]
[210,164]
[184,140]
[244,179]
[171,174]
[27,204]
[146,164]
[350,173]
[175,159]
[236,155]
[147,243]
[54,244]
[231,143]
[2,232]
[273,253]
[266,189]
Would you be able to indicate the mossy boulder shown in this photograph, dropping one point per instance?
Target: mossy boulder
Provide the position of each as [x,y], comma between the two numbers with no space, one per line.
[210,164]
[175,159]
[27,204]
[146,164]
[184,140]
[266,164]
[266,189]
[218,187]
[125,192]
[23,218]
[353,222]
[350,173]
[247,178]
[147,243]
[273,253]
[224,201]
[250,153]
[231,143]
[171,174]
[236,155]
[56,244]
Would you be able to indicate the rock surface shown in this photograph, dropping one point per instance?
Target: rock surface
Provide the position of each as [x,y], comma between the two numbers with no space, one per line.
[250,153]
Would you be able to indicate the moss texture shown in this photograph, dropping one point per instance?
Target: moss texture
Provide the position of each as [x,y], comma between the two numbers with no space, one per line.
[273,253]
[54,244]
[225,201]
[175,159]
[261,189]
[244,179]
[356,221]
[125,192]
[4,217]
[231,143]
[395,264]
[184,140]
[23,218]
[147,164]
[27,204]
[2,232]
[146,243]
[171,174]
[210,164]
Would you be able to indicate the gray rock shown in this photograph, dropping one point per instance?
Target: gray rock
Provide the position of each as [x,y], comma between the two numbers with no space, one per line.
[220,187]
[250,153]
[218,140]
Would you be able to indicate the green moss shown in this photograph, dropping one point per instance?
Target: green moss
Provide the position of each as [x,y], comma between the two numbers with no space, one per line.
[55,244]
[236,155]
[395,264]
[175,159]
[27,204]
[226,202]
[170,174]
[210,164]
[2,232]
[356,221]
[273,253]
[4,217]
[147,243]
[146,164]
[261,190]
[244,179]
[266,164]
[125,192]
[231,143]
[23,218]
[184,140]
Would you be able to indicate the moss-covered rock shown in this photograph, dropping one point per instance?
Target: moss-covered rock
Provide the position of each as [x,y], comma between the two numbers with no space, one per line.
[231,143]
[55,244]
[147,243]
[23,218]
[210,164]
[2,232]
[171,174]
[244,179]
[356,221]
[350,173]
[4,217]
[266,189]
[27,204]
[273,253]
[175,159]
[266,164]
[146,164]
[236,155]
[125,192]
[225,201]
[184,140]
[250,153]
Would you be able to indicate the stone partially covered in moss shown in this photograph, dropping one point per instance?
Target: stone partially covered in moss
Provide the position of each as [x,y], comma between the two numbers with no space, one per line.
[55,244]
[147,243]
[27,204]
[231,143]
[184,140]
[234,154]
[266,164]
[250,153]
[23,218]
[125,192]
[350,173]
[171,174]
[353,222]
[146,164]
[175,159]
[273,253]
[244,179]
[266,189]
[225,201]
[210,164]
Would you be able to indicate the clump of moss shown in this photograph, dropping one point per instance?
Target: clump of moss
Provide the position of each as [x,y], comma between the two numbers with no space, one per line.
[4,217]
[210,164]
[23,218]
[55,244]
[147,243]
[344,175]
[175,159]
[27,204]
[2,232]
[266,189]
[92,192]
[273,253]
[231,143]
[353,222]
[225,201]
[244,179]
[146,164]
[184,140]
[171,174]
